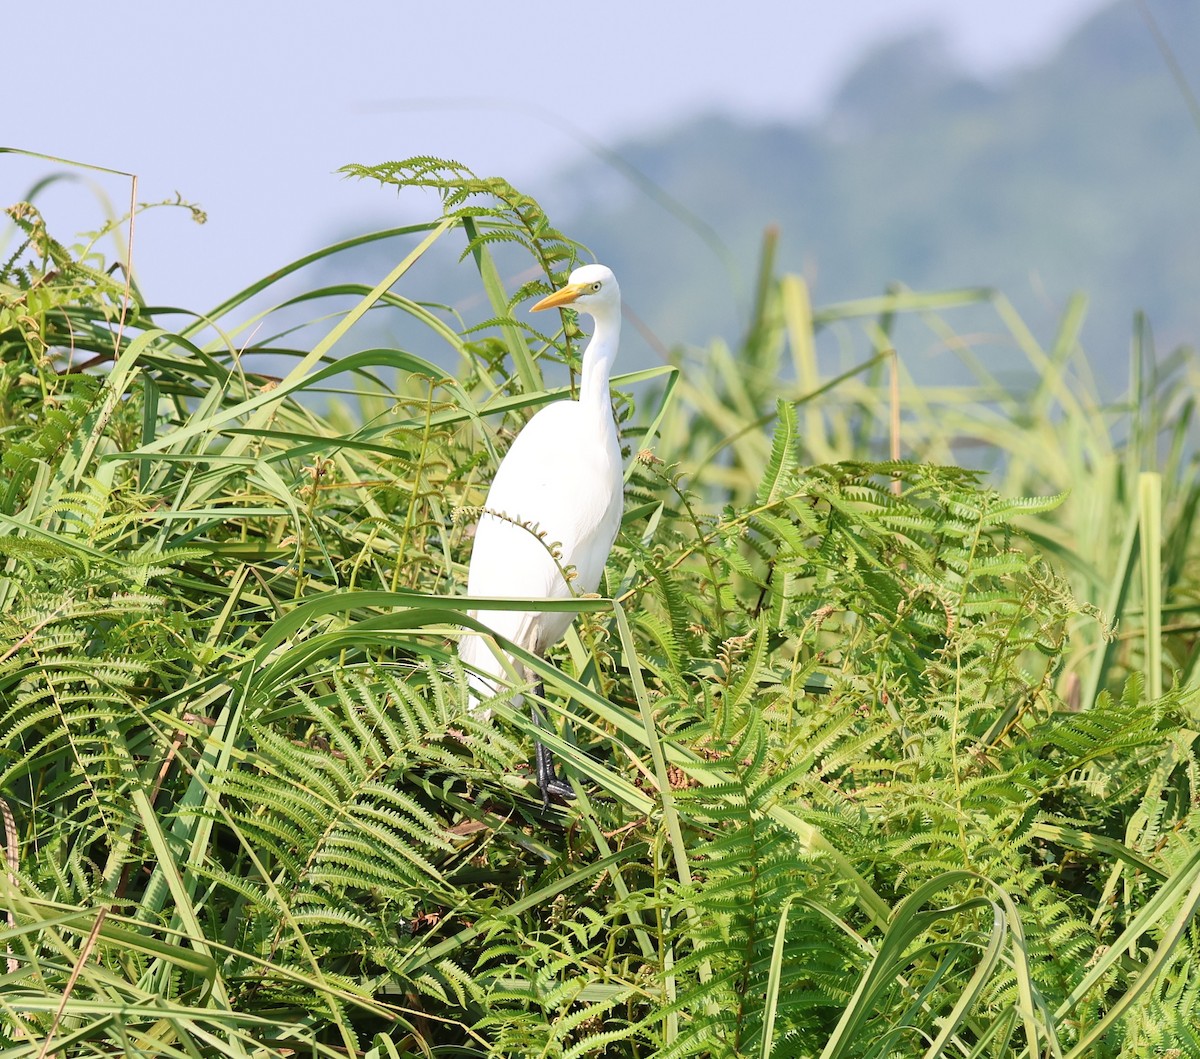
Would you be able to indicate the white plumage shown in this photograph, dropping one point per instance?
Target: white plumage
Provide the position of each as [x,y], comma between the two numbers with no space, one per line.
[562,479]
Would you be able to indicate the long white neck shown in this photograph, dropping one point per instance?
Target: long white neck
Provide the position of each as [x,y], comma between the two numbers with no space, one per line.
[598,360]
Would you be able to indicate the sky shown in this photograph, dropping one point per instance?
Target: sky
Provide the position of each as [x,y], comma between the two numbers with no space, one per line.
[248,109]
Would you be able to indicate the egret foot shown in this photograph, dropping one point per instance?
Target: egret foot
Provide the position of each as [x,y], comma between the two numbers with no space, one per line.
[549,782]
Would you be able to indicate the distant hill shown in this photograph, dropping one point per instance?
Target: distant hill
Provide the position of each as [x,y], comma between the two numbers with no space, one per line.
[1082,173]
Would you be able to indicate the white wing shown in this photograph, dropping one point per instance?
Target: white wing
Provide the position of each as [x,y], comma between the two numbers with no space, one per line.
[561,480]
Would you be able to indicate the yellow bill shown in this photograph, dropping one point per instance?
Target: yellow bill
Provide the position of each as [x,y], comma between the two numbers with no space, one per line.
[562,296]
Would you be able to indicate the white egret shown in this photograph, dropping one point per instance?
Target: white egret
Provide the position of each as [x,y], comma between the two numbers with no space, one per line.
[560,484]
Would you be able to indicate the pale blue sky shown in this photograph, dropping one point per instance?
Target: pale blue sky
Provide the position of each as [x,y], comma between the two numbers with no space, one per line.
[248,108]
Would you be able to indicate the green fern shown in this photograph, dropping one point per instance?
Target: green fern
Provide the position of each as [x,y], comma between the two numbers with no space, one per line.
[490,208]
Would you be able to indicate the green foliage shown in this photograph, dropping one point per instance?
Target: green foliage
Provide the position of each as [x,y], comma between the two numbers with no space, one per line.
[844,789]
[491,210]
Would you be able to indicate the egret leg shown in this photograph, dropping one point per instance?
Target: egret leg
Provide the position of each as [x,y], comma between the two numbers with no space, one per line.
[549,782]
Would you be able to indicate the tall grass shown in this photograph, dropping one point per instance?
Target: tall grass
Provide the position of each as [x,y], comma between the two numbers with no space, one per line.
[872,758]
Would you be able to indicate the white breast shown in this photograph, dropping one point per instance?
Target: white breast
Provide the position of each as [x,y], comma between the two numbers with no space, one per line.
[563,477]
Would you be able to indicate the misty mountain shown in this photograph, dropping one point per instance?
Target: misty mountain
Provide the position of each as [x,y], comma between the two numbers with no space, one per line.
[1082,173]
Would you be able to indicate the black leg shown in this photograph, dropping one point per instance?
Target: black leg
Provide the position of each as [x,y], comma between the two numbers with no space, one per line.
[549,782]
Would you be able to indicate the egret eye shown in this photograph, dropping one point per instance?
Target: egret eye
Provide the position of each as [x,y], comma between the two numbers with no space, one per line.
[595,286]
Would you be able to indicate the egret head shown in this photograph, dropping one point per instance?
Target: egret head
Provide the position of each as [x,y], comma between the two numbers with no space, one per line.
[591,289]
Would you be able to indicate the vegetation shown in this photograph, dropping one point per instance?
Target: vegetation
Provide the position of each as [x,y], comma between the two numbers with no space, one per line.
[873,757]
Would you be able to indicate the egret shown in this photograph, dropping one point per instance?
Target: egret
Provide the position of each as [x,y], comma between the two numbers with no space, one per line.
[560,486]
